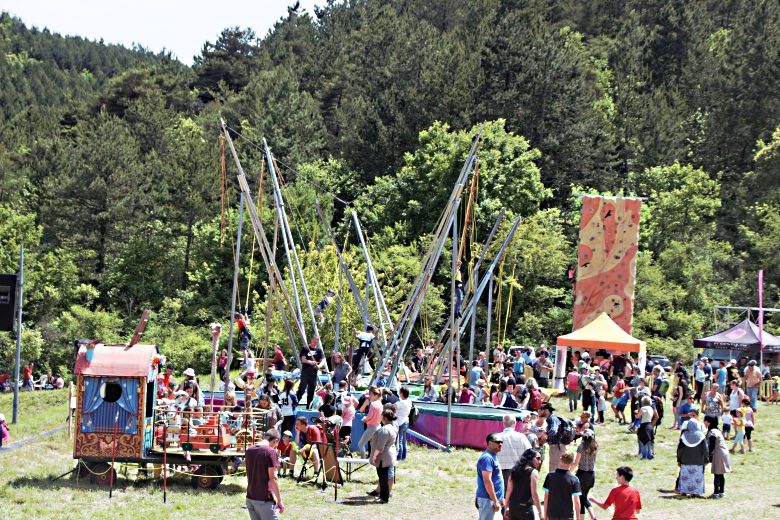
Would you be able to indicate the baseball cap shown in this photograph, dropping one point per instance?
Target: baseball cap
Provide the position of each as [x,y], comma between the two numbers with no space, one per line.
[287,433]
[189,372]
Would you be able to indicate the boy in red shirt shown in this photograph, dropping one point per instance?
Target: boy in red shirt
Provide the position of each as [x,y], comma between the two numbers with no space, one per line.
[625,498]
[308,435]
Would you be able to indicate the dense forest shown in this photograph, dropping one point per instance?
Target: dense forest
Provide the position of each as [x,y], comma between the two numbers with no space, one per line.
[110,162]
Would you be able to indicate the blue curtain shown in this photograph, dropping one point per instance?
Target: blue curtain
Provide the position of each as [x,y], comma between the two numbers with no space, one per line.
[93,416]
[91,402]
[128,401]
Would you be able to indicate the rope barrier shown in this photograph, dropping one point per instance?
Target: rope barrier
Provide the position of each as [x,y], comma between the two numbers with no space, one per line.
[82,463]
[170,466]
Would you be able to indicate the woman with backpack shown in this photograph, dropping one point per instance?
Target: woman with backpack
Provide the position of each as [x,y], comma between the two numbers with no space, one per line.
[535,396]
[585,462]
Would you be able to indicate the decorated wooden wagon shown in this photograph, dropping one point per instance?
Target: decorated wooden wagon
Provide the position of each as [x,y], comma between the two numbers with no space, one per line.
[118,419]
[115,399]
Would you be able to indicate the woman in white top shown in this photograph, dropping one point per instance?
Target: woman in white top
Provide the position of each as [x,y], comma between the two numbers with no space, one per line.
[402,409]
[647,416]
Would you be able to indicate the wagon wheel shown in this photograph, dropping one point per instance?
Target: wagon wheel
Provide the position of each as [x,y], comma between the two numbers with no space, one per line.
[81,470]
[102,474]
[207,477]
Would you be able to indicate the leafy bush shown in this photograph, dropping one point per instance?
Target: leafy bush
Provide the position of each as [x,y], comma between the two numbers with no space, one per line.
[186,347]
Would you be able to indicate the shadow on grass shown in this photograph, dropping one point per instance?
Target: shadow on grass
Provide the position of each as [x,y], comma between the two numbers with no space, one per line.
[47,482]
[357,501]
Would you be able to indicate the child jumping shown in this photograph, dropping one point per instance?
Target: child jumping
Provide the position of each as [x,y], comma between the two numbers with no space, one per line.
[319,311]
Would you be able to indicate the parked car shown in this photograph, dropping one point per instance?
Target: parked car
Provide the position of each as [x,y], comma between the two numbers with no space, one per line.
[659,360]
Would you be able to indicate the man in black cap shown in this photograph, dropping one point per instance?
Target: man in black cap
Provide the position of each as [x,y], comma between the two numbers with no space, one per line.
[550,435]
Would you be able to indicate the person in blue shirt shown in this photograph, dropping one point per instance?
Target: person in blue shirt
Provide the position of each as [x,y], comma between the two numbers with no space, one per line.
[721,374]
[490,481]
[476,373]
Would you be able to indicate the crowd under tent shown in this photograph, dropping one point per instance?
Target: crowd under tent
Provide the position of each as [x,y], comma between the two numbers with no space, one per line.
[600,334]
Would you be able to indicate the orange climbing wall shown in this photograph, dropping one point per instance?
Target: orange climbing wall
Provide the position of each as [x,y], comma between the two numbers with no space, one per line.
[606,263]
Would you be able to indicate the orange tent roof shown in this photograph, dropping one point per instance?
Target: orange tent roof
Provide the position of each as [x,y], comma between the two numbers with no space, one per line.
[604,333]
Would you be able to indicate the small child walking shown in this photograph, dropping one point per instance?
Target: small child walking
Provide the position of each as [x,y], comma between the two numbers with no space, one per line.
[750,422]
[726,419]
[601,405]
[4,435]
[739,431]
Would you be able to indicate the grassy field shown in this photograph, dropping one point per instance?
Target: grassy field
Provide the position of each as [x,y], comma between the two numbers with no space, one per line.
[430,484]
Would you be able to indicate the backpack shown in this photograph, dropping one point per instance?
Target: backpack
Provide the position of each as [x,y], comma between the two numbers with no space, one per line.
[535,402]
[566,431]
[663,386]
[414,414]
[509,401]
[573,383]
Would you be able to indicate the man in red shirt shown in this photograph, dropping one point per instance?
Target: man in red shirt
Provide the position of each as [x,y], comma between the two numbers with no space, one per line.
[263,497]
[625,498]
[307,435]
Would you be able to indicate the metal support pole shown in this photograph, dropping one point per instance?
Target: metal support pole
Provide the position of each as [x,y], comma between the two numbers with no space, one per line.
[453,298]
[381,308]
[455,337]
[362,307]
[471,337]
[265,250]
[489,318]
[235,289]
[20,295]
[289,244]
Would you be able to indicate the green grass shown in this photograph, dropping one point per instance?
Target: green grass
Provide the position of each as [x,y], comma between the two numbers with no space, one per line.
[431,484]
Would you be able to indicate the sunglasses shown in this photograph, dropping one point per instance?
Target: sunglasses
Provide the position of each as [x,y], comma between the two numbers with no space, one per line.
[498,442]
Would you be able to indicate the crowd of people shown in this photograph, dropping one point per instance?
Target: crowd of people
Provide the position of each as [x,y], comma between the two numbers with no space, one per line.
[508,472]
[508,479]
[46,381]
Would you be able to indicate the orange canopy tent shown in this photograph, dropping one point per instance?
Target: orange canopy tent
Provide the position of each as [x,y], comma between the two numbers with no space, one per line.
[602,333]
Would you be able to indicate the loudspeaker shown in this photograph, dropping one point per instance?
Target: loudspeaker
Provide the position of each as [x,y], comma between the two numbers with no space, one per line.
[7,301]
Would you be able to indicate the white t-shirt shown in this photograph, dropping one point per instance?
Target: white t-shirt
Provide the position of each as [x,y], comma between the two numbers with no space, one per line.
[647,414]
[402,409]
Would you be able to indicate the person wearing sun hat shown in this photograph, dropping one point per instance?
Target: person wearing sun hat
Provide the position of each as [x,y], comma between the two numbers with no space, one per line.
[550,434]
